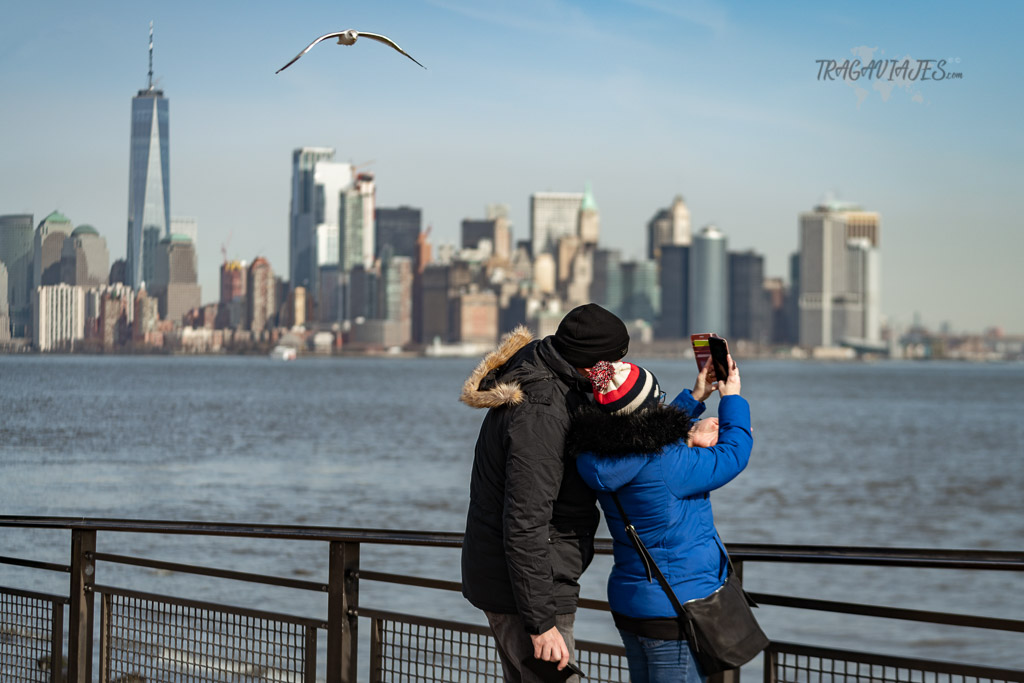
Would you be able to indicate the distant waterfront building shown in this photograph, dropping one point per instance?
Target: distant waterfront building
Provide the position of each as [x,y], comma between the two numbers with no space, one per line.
[641,293]
[85,260]
[674,278]
[333,288]
[58,317]
[5,319]
[709,282]
[261,295]
[187,226]
[494,230]
[474,316]
[175,278]
[545,274]
[149,178]
[118,272]
[749,314]
[313,226]
[553,215]
[145,319]
[109,312]
[606,287]
[295,308]
[589,220]
[839,275]
[357,209]
[47,247]
[16,241]
[398,228]
[232,302]
[669,226]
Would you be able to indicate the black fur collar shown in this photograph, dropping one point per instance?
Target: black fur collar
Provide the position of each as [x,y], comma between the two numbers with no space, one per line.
[644,432]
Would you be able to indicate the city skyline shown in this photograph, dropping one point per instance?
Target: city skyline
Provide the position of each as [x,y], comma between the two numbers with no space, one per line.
[642,122]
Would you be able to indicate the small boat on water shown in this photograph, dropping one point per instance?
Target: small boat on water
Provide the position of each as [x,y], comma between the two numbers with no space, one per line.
[281,352]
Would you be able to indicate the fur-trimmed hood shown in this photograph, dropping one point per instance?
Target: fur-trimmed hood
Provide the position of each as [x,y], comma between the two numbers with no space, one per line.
[481,389]
[643,432]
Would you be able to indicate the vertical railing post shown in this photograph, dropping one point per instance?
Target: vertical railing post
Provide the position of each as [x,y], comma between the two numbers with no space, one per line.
[343,613]
[771,659]
[80,614]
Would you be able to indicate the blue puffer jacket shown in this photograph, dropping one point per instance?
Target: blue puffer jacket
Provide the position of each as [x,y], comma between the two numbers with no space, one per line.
[663,485]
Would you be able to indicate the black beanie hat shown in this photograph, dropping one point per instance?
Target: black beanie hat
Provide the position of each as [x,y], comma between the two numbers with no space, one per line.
[588,334]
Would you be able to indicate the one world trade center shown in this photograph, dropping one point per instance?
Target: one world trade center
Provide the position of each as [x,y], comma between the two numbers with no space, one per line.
[149,179]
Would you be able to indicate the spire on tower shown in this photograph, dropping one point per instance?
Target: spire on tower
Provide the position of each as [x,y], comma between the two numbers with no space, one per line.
[150,85]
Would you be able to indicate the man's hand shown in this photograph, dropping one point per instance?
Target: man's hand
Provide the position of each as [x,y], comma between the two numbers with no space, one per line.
[550,646]
[704,387]
[704,434]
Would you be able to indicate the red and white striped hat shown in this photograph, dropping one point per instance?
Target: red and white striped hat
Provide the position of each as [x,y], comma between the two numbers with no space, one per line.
[621,388]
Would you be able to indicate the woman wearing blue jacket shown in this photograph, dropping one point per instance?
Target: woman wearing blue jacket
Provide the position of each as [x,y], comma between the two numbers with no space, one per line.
[663,468]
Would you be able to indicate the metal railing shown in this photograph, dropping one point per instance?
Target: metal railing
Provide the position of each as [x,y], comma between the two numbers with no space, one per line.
[147,637]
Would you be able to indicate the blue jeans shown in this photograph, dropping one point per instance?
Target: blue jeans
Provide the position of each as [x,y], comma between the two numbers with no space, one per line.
[660,661]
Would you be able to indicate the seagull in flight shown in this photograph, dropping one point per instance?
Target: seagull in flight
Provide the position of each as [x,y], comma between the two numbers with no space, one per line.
[349,38]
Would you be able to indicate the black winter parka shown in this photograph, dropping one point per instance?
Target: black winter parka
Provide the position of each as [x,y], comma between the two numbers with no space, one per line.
[531,522]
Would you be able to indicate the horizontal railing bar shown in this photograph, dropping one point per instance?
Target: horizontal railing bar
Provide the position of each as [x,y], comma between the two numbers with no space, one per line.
[430,622]
[33,595]
[268,531]
[931,665]
[586,603]
[410,580]
[33,564]
[211,606]
[947,618]
[825,556]
[906,557]
[210,571]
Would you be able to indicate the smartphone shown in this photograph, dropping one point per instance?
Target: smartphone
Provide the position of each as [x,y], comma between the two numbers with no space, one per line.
[548,671]
[710,345]
[719,357]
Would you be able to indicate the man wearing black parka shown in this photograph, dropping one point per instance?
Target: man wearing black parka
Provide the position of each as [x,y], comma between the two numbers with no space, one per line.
[531,522]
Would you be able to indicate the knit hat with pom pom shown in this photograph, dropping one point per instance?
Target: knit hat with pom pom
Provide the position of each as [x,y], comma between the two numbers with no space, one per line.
[621,388]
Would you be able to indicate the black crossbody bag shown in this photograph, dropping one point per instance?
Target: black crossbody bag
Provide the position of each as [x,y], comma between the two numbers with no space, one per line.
[723,631]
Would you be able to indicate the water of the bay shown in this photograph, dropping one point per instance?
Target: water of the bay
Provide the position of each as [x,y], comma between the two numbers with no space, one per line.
[896,454]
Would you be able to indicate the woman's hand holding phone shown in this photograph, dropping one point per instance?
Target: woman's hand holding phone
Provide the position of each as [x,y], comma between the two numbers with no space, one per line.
[731,384]
[704,386]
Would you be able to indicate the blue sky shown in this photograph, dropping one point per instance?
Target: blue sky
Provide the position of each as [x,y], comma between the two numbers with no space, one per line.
[644,99]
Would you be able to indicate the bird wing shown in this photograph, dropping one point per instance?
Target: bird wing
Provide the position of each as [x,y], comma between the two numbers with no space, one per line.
[310,47]
[387,41]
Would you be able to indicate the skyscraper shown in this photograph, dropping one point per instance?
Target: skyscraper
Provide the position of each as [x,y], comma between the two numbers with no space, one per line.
[748,302]
[589,219]
[552,215]
[16,233]
[709,282]
[85,260]
[47,247]
[668,226]
[356,210]
[641,291]
[398,228]
[261,295]
[674,277]
[58,316]
[175,278]
[149,178]
[839,275]
[314,220]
